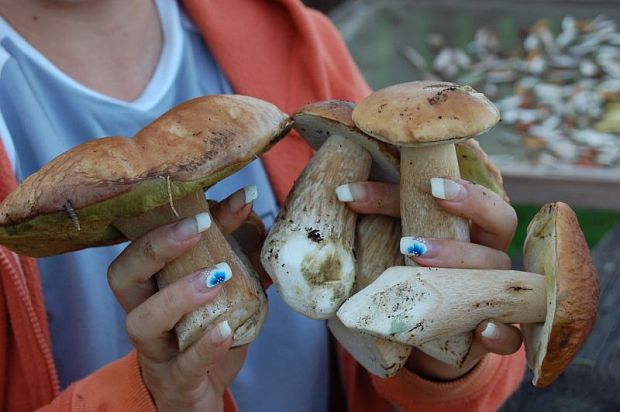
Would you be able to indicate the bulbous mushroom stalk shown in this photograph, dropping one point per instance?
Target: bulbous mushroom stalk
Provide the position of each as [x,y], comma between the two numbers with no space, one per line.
[417,305]
[309,250]
[377,237]
[426,118]
[119,188]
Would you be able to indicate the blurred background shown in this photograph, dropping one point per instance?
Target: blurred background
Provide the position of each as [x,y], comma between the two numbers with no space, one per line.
[552,68]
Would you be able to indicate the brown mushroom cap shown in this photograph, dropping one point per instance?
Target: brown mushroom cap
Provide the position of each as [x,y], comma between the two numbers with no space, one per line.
[425,113]
[316,122]
[192,146]
[555,247]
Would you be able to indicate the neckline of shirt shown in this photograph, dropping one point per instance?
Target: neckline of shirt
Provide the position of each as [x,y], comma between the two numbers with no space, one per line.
[165,71]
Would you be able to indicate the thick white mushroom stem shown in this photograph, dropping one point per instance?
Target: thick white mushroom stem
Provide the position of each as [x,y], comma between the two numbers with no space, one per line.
[242,302]
[376,246]
[422,217]
[309,250]
[419,305]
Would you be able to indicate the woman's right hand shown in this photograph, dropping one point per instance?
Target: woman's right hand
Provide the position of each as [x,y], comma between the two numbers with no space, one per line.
[197,378]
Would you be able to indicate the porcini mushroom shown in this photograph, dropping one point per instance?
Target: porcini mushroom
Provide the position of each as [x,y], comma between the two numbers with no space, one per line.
[417,305]
[376,246]
[309,250]
[112,189]
[425,119]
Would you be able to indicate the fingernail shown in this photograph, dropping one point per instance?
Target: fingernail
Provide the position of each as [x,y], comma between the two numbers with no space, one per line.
[351,192]
[446,189]
[491,331]
[207,279]
[220,333]
[242,197]
[414,246]
[218,274]
[191,226]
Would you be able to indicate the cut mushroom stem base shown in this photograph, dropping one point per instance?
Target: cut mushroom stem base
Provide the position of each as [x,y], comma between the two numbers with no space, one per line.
[242,302]
[418,305]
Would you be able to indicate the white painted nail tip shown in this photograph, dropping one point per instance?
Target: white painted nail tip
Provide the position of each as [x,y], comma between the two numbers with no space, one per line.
[251,193]
[203,221]
[224,329]
[343,193]
[490,331]
[438,187]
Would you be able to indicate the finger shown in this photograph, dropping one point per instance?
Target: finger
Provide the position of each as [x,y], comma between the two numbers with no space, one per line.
[149,323]
[492,337]
[496,337]
[199,359]
[230,213]
[494,221]
[371,197]
[130,273]
[446,253]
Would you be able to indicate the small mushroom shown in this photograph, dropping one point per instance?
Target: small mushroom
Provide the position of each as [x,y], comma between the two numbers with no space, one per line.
[426,118]
[557,310]
[113,189]
[309,250]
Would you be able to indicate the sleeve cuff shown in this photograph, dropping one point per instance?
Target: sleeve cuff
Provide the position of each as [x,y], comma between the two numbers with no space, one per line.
[406,387]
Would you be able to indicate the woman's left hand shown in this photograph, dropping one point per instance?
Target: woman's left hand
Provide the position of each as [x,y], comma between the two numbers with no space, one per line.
[493,224]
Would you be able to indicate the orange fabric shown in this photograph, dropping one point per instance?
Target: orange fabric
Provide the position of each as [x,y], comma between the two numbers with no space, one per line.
[281,52]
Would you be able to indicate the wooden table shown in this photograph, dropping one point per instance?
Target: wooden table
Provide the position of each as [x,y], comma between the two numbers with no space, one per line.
[579,187]
[592,382]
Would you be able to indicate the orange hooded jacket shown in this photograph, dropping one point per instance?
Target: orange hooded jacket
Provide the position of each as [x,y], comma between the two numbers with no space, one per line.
[284,53]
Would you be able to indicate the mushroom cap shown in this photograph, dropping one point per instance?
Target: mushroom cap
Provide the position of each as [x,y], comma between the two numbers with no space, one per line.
[316,122]
[556,248]
[191,147]
[475,166]
[425,113]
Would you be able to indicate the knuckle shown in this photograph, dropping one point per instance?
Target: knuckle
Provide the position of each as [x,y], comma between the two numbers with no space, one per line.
[113,277]
[169,300]
[149,250]
[134,326]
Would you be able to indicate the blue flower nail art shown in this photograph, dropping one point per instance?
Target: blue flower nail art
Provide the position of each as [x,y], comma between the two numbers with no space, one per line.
[413,246]
[219,274]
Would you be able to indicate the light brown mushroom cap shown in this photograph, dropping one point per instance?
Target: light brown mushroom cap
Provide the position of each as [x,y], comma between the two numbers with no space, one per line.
[425,113]
[192,146]
[475,166]
[316,122]
[555,247]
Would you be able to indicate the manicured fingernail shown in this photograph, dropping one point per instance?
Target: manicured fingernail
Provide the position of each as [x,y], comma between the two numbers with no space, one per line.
[220,333]
[242,198]
[491,331]
[191,226]
[206,279]
[446,189]
[218,274]
[351,192]
[413,246]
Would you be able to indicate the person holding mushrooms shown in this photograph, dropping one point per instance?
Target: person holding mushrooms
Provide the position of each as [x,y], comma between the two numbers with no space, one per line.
[74,70]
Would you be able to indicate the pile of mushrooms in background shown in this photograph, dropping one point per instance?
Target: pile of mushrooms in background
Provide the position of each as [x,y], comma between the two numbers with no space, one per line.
[559,91]
[326,262]
[329,264]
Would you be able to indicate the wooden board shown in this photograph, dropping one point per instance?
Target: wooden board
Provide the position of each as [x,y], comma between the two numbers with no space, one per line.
[592,382]
[586,188]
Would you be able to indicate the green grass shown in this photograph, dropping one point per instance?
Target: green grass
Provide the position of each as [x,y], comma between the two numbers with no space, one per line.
[594,223]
